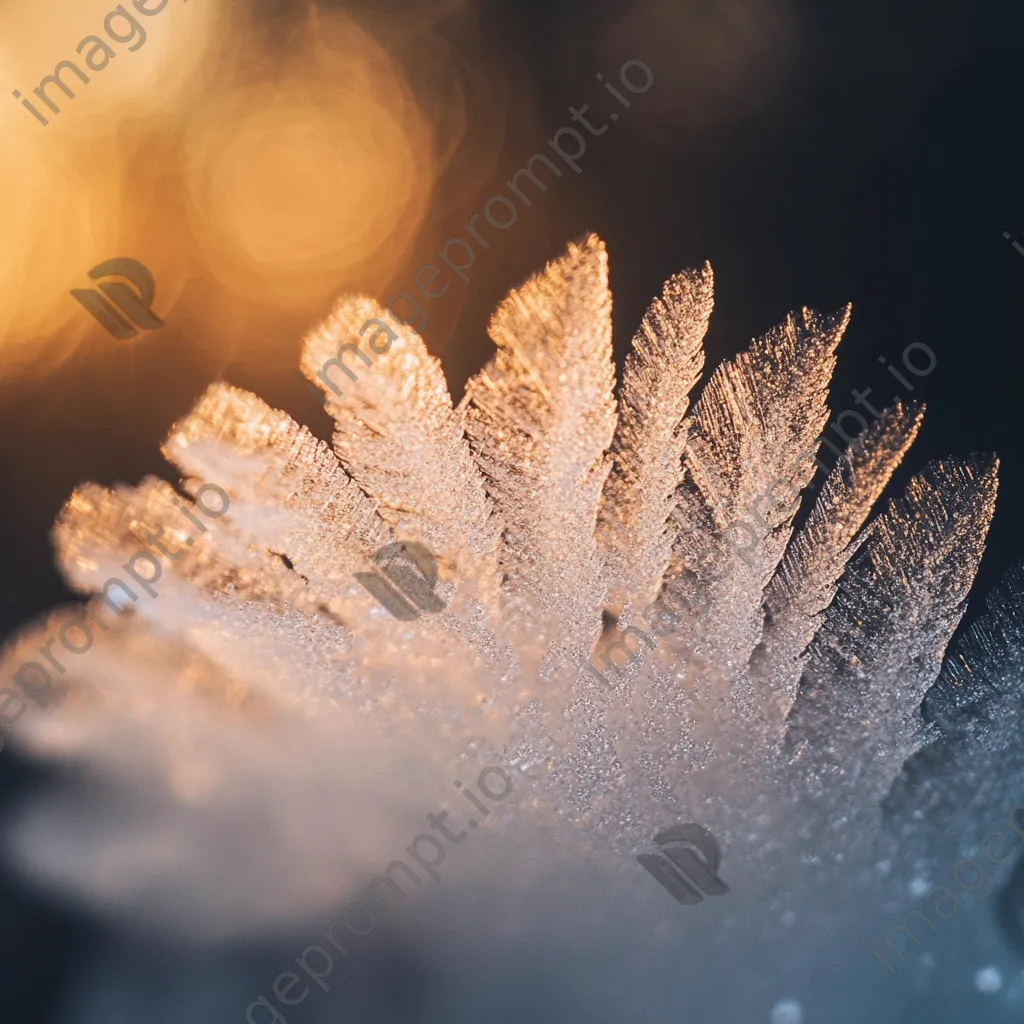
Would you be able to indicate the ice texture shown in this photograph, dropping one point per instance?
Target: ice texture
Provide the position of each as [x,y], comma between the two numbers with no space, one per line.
[262,736]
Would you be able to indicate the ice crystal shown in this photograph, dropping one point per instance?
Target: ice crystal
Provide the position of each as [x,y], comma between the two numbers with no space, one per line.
[244,717]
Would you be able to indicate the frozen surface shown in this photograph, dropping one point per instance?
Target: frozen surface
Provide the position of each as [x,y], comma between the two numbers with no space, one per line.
[261,737]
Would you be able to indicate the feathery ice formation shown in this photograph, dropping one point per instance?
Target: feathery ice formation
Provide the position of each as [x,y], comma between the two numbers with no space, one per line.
[264,698]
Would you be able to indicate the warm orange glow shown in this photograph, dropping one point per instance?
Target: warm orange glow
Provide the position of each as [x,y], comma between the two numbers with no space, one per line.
[296,181]
[256,170]
[54,220]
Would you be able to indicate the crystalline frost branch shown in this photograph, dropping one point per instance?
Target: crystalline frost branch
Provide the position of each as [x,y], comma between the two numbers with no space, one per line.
[552,512]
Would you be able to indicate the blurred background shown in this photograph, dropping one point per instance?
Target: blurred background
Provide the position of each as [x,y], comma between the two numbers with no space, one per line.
[261,158]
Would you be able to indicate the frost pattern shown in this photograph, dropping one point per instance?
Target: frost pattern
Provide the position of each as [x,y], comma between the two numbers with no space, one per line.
[792,686]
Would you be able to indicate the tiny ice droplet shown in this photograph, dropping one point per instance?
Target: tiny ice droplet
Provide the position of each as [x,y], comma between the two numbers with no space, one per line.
[919,886]
[988,980]
[787,1011]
